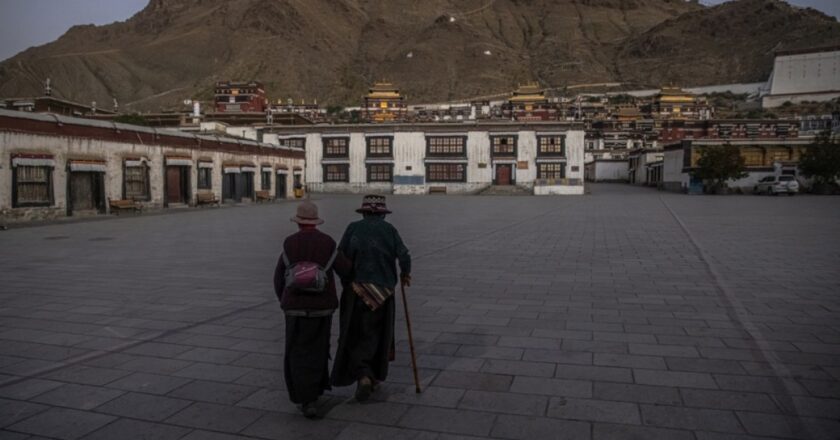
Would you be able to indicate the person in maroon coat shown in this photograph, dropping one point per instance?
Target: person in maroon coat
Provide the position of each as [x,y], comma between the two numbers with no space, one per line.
[308,315]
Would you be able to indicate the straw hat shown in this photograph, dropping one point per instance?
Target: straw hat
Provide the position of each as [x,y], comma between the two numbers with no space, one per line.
[307,214]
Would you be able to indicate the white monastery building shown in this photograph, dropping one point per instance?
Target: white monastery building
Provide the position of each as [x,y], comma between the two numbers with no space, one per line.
[54,166]
[804,75]
[544,158]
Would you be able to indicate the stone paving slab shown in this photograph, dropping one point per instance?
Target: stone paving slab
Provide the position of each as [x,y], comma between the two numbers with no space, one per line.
[624,314]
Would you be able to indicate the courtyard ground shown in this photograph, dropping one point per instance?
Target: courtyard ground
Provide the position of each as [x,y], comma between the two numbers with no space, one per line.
[625,313]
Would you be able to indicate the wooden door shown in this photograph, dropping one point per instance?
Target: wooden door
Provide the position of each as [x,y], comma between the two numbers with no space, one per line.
[503,173]
[174,191]
[81,191]
[229,186]
[281,186]
[247,185]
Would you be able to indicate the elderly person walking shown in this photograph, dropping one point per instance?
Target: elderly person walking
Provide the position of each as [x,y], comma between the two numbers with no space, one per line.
[305,286]
[366,342]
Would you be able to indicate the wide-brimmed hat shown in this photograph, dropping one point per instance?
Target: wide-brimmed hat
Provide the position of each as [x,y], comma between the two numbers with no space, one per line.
[307,214]
[373,204]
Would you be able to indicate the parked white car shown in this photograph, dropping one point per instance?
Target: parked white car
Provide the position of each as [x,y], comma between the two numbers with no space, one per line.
[776,185]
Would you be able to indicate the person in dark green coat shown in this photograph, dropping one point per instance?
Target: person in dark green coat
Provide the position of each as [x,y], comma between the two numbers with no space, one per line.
[367,311]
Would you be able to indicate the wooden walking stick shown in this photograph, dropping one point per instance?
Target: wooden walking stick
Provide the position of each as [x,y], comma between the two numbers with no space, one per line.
[410,341]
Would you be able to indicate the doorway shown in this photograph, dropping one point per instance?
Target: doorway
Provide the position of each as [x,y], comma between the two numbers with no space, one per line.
[280,191]
[177,184]
[86,192]
[229,187]
[504,174]
[247,185]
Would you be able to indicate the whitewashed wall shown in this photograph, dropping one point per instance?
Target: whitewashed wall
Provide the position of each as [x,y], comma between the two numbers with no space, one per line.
[607,171]
[806,73]
[673,178]
[409,160]
[113,153]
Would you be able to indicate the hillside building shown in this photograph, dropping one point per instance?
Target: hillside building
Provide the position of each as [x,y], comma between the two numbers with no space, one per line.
[51,104]
[233,96]
[803,75]
[676,103]
[529,103]
[676,130]
[384,103]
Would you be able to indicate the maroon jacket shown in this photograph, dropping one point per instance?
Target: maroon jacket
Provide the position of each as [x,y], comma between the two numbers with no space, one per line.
[317,247]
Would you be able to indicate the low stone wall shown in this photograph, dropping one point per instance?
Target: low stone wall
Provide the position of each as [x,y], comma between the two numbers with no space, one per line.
[557,190]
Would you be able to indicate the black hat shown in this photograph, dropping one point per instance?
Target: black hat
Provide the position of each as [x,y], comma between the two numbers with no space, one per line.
[373,204]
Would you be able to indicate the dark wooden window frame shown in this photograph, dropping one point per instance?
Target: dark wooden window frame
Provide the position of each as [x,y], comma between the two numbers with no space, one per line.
[209,176]
[50,192]
[561,153]
[368,146]
[265,184]
[430,165]
[342,165]
[494,153]
[290,142]
[327,147]
[148,190]
[462,153]
[370,172]
[541,174]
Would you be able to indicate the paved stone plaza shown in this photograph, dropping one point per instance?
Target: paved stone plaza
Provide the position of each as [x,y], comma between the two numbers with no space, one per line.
[625,313]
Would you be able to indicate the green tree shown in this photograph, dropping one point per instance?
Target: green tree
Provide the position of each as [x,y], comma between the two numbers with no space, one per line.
[134,119]
[821,159]
[720,163]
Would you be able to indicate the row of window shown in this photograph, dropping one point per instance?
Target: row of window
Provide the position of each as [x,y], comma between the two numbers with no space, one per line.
[435,172]
[382,146]
[33,185]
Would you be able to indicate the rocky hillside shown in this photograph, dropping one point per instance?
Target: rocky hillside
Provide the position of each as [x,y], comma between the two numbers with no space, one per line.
[733,42]
[434,49]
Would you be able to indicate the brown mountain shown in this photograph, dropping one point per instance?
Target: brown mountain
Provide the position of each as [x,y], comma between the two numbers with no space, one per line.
[733,42]
[434,49]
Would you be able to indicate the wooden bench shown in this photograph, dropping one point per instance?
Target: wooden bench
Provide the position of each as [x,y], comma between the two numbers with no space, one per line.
[118,206]
[206,199]
[264,196]
[437,190]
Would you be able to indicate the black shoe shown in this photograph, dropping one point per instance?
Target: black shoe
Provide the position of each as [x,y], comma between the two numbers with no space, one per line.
[309,410]
[364,389]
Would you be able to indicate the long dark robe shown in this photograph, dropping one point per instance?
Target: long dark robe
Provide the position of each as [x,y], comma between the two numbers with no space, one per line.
[366,341]
[306,362]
